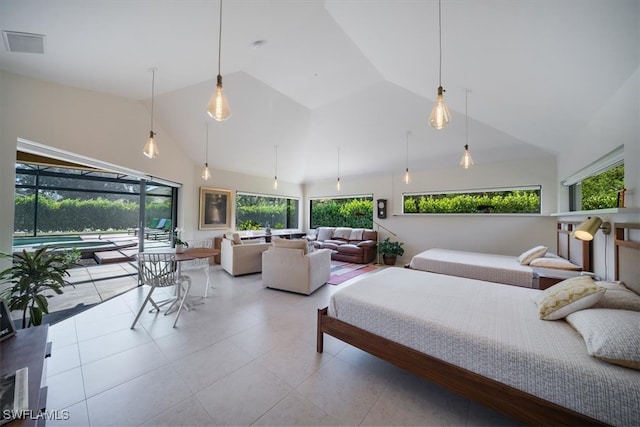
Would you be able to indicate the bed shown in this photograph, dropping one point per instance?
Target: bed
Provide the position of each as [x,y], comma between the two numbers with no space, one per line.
[572,255]
[502,356]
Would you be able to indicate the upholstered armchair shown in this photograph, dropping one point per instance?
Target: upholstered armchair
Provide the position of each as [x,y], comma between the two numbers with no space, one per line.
[238,258]
[288,265]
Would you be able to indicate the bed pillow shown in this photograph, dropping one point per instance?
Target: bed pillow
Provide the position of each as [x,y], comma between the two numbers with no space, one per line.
[554,262]
[568,296]
[610,335]
[526,257]
[618,296]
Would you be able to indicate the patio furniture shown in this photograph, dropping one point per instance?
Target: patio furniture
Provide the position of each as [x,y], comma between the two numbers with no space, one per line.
[159,270]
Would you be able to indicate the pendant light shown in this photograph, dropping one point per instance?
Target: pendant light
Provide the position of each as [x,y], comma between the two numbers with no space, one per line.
[466,161]
[150,148]
[338,181]
[206,174]
[218,107]
[440,116]
[275,176]
[407,178]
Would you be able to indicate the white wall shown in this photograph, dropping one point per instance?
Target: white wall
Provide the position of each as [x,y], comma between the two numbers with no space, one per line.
[87,123]
[233,182]
[501,234]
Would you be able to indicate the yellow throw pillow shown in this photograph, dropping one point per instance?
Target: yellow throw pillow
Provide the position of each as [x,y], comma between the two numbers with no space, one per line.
[568,296]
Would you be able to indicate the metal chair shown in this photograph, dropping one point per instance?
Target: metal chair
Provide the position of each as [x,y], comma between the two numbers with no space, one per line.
[200,263]
[159,270]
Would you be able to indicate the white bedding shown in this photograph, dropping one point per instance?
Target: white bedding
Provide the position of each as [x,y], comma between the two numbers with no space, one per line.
[492,330]
[476,265]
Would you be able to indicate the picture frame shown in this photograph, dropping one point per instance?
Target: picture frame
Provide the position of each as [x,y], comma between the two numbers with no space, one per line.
[215,209]
[7,327]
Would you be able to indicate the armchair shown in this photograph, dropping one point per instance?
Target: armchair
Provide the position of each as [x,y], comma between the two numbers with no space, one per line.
[288,266]
[241,258]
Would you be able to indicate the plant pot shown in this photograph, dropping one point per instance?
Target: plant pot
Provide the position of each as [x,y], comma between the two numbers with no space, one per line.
[179,249]
[389,259]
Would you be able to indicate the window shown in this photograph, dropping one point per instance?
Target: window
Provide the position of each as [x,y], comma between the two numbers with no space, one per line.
[66,200]
[598,185]
[523,200]
[354,211]
[256,211]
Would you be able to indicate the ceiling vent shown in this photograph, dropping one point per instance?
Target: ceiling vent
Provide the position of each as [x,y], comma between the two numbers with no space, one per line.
[15,41]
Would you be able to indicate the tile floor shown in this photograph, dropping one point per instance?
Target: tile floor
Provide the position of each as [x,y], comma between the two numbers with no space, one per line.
[246,356]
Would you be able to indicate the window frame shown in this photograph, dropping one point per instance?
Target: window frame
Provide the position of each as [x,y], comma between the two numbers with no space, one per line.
[272,196]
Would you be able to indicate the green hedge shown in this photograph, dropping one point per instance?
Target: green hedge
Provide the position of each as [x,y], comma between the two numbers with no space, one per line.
[74,215]
[519,201]
[355,213]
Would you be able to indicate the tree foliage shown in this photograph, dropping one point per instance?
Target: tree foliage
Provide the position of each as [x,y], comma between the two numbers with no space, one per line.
[601,191]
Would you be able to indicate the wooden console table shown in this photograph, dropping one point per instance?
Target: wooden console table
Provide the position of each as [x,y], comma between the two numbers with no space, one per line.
[28,348]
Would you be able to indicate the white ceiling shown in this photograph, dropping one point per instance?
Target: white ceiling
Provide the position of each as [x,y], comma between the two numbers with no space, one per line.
[350,76]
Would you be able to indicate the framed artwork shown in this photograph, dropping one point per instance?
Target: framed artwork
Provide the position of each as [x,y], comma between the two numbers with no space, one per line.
[215,208]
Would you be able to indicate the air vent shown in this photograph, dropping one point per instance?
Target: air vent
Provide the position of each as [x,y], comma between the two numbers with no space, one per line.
[15,41]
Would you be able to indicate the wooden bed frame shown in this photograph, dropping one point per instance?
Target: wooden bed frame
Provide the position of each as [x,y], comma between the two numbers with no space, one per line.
[486,391]
[576,251]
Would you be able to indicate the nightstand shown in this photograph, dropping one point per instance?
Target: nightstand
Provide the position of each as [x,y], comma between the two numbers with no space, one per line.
[548,277]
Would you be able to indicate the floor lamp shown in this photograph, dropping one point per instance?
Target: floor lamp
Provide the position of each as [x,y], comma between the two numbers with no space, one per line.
[378,239]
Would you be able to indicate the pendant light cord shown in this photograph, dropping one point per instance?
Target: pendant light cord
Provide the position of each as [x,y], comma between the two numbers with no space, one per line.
[220,39]
[407,163]
[276,171]
[206,159]
[153,85]
[439,39]
[466,116]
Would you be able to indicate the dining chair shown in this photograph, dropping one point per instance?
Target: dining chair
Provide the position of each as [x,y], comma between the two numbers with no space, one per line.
[159,270]
[199,263]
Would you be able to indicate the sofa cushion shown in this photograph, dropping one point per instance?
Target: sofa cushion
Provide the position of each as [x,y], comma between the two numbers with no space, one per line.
[370,235]
[291,244]
[328,245]
[336,241]
[349,249]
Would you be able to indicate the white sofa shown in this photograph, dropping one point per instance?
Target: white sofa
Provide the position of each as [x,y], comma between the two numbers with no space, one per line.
[288,265]
[238,258]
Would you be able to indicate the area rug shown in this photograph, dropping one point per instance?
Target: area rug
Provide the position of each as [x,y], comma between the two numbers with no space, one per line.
[343,271]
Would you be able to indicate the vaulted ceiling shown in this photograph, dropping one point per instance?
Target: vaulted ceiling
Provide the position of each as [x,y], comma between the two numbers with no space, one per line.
[349,76]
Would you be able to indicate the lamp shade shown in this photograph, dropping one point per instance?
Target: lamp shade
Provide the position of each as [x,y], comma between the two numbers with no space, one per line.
[588,228]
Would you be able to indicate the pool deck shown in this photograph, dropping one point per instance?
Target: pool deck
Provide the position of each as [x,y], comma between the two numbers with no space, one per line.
[93,284]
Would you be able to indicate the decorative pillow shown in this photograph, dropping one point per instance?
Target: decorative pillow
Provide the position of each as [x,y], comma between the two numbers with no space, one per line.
[290,244]
[554,262]
[610,335]
[342,233]
[356,234]
[526,257]
[568,296]
[325,233]
[235,237]
[618,297]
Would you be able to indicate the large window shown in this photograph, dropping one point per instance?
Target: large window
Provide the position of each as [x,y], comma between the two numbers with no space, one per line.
[354,211]
[257,211]
[62,200]
[523,200]
[598,185]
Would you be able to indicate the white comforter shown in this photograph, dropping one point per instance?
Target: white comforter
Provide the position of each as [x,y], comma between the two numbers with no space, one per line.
[493,330]
[475,265]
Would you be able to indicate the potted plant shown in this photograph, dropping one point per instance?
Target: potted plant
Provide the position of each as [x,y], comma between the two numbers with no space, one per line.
[390,251]
[180,244]
[32,274]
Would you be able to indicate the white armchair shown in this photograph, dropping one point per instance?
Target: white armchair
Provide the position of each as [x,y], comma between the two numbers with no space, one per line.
[241,258]
[293,269]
